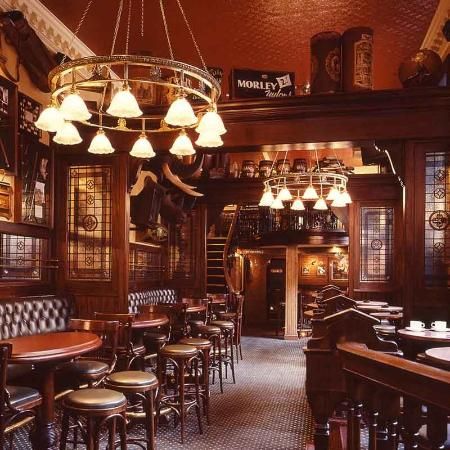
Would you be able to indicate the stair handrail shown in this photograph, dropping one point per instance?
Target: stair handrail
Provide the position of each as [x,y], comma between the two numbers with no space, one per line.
[226,249]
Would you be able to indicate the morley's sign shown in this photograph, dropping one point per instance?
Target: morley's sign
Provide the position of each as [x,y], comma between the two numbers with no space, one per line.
[246,83]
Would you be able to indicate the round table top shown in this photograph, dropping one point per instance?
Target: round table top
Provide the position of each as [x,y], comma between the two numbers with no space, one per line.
[149,320]
[371,303]
[51,347]
[387,315]
[440,355]
[426,335]
[378,308]
[195,305]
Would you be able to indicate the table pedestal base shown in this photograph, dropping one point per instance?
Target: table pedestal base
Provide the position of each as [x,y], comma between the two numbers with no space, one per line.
[44,436]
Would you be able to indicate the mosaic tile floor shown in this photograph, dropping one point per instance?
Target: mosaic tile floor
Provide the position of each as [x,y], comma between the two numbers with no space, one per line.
[266,410]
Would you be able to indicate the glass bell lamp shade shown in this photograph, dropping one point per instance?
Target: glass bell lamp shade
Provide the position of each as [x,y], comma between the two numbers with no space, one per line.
[50,119]
[346,197]
[310,193]
[180,114]
[182,145]
[67,135]
[124,104]
[339,202]
[333,194]
[284,194]
[320,204]
[142,148]
[211,122]
[277,203]
[209,139]
[100,144]
[298,205]
[74,108]
[267,198]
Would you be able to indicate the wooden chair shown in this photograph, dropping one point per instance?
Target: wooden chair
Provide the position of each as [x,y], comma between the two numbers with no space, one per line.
[127,352]
[236,316]
[94,367]
[16,402]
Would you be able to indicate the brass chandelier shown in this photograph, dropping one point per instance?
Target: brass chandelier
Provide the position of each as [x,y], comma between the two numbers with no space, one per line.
[98,91]
[295,188]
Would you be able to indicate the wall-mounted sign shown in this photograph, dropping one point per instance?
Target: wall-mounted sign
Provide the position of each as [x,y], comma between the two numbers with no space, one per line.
[247,83]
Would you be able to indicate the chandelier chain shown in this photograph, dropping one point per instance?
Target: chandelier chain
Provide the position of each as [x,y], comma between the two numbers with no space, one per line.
[127,42]
[142,18]
[166,29]
[116,27]
[79,25]
[192,35]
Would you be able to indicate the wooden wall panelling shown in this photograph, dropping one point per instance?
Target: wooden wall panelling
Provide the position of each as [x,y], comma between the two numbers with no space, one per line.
[111,295]
[424,302]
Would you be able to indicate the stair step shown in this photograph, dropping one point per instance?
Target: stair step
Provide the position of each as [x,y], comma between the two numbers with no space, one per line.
[215,270]
[216,276]
[215,259]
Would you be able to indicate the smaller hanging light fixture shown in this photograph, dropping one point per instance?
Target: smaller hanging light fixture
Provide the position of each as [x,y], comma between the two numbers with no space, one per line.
[346,197]
[180,113]
[209,139]
[50,119]
[100,144]
[67,135]
[333,193]
[284,194]
[142,148]
[310,192]
[339,202]
[74,108]
[124,104]
[321,204]
[182,145]
[267,198]
[211,122]
[277,203]
[297,204]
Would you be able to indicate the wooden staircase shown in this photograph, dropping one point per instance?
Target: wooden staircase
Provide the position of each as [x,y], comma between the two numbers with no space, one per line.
[215,282]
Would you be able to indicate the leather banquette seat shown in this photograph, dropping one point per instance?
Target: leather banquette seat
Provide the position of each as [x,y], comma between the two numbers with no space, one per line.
[151,297]
[32,315]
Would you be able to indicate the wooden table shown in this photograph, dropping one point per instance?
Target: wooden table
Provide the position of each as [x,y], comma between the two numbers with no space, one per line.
[195,305]
[377,308]
[371,303]
[415,342]
[149,320]
[441,355]
[46,351]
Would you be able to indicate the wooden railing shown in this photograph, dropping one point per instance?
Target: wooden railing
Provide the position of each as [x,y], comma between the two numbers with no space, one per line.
[356,379]
[226,251]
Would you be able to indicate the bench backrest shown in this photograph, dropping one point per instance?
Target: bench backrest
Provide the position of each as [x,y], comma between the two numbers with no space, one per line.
[151,297]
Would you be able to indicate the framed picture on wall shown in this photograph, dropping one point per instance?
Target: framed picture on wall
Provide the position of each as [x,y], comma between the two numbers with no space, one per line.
[36,181]
[29,111]
[339,268]
[8,126]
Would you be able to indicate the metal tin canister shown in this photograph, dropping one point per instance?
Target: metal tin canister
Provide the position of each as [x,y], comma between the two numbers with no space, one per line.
[265,168]
[326,62]
[283,166]
[248,168]
[357,59]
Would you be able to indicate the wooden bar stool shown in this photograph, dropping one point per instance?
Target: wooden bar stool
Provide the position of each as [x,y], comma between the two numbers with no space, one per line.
[99,407]
[182,359]
[227,331]
[212,333]
[140,385]
[204,347]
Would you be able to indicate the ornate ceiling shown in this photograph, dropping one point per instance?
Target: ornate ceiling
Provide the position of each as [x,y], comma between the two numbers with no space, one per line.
[259,34]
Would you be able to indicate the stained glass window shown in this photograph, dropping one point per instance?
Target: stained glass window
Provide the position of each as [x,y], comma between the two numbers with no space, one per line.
[89,222]
[437,207]
[376,243]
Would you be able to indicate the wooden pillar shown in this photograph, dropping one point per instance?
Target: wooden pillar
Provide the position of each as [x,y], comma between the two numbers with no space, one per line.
[291,293]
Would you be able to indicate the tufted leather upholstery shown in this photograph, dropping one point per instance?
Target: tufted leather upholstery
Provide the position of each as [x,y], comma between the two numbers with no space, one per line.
[34,315]
[150,297]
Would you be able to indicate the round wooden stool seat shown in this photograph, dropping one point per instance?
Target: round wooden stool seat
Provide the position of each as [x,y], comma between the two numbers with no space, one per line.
[223,324]
[132,379]
[208,329]
[95,399]
[155,337]
[196,323]
[226,315]
[179,350]
[198,343]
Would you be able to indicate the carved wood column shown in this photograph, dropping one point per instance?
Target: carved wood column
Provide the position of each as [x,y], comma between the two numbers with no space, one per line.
[291,293]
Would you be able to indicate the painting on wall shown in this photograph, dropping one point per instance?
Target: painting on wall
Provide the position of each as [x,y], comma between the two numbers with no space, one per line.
[314,266]
[339,268]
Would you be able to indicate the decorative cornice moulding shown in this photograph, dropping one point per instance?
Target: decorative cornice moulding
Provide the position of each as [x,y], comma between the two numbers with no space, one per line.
[435,39]
[50,29]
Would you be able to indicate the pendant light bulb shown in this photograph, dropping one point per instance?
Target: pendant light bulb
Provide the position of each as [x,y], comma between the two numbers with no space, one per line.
[320,204]
[267,198]
[310,193]
[277,204]
[298,205]
[285,194]
[100,144]
[180,113]
[339,202]
[73,108]
[50,119]
[142,148]
[182,145]
[333,194]
[67,135]
[124,104]
[209,139]
[346,197]
[211,122]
